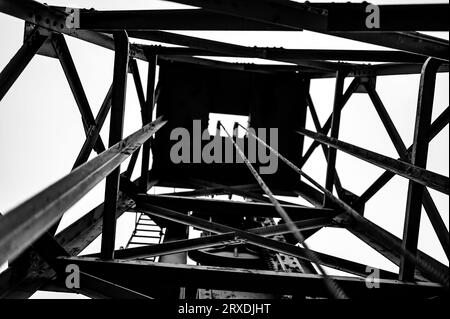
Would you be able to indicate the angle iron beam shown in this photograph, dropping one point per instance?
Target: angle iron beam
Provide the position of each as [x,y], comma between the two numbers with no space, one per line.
[389,246]
[392,17]
[255,239]
[290,14]
[428,203]
[206,207]
[419,156]
[326,127]
[93,286]
[24,224]
[315,118]
[229,49]
[401,68]
[409,171]
[94,131]
[307,72]
[413,42]
[334,132]
[20,60]
[147,113]
[306,54]
[340,17]
[184,19]
[243,191]
[68,65]
[436,127]
[74,238]
[88,145]
[55,19]
[120,76]
[140,93]
[144,275]
[215,240]
[295,16]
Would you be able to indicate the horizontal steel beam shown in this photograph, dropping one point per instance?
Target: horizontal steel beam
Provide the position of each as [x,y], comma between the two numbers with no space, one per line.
[291,14]
[409,171]
[304,54]
[184,19]
[392,17]
[339,17]
[21,226]
[177,246]
[217,190]
[143,276]
[215,207]
[413,42]
[49,249]
[249,191]
[99,288]
[55,19]
[227,48]
[256,239]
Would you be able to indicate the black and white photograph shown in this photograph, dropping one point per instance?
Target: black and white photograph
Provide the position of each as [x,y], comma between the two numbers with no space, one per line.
[224,158]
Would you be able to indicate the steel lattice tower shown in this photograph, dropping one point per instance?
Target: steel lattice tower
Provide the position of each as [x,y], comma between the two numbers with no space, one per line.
[245,250]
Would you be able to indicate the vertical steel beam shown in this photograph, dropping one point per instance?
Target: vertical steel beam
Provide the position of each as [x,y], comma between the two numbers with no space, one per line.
[428,203]
[122,48]
[315,118]
[140,94]
[335,123]
[418,158]
[20,60]
[175,232]
[147,116]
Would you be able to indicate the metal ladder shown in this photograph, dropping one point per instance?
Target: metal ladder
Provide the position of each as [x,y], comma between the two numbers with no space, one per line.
[146,232]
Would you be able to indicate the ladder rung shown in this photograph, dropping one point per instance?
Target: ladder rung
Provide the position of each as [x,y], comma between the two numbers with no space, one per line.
[151,224]
[148,230]
[135,243]
[148,226]
[141,243]
[142,236]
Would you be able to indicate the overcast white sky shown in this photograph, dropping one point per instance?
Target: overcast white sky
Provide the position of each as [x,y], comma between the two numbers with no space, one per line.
[41,131]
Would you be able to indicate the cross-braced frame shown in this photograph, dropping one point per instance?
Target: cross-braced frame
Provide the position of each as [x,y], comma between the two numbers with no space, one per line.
[38,256]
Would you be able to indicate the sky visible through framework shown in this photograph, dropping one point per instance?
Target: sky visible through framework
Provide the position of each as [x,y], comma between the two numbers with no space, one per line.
[41,131]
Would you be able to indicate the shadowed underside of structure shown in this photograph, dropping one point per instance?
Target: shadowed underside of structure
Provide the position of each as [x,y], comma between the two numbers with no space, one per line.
[247,249]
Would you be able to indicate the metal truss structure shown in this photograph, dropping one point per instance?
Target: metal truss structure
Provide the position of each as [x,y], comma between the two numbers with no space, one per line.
[262,257]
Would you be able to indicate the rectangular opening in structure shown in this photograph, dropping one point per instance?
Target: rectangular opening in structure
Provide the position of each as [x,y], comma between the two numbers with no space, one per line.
[228,121]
